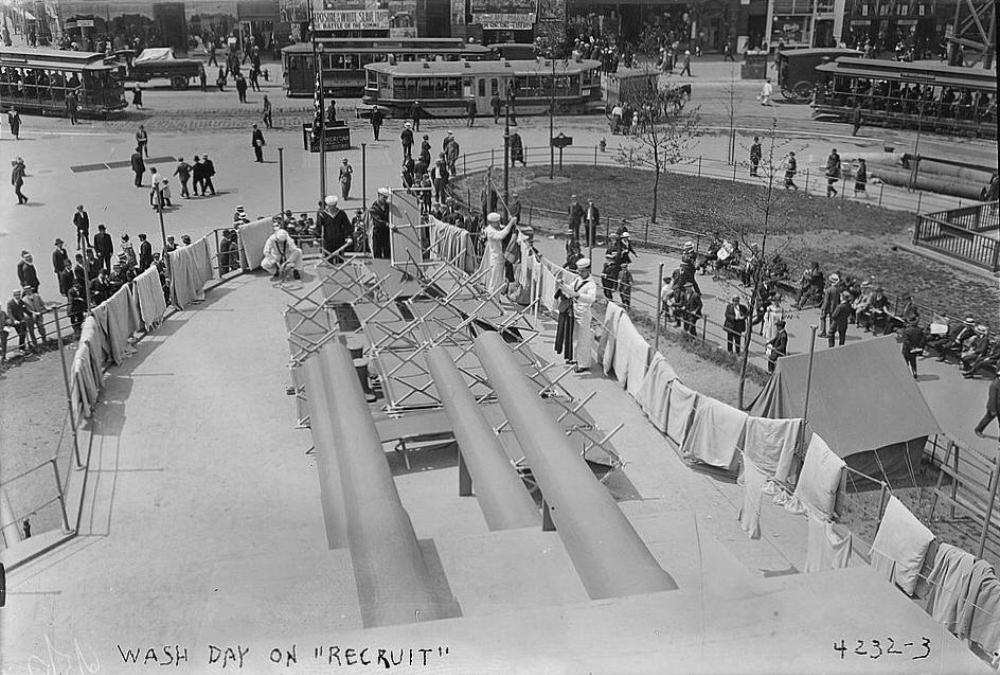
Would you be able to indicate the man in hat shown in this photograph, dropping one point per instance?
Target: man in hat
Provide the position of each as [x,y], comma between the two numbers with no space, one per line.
[625,282]
[831,297]
[17,175]
[583,292]
[470,111]
[953,339]
[379,215]
[145,253]
[23,321]
[376,121]
[345,179]
[335,229]
[756,153]
[207,179]
[609,275]
[60,256]
[777,346]
[687,64]
[493,259]
[138,166]
[913,345]
[281,255]
[791,168]
[735,323]
[692,308]
[416,113]
[575,214]
[183,172]
[451,152]
[257,141]
[36,319]
[974,349]
[992,405]
[839,317]
[26,272]
[81,220]
[406,139]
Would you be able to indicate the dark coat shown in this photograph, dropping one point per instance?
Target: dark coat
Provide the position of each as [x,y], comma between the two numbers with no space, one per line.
[733,324]
[82,221]
[27,274]
[840,314]
[335,229]
[406,137]
[993,398]
[60,257]
[103,244]
[138,166]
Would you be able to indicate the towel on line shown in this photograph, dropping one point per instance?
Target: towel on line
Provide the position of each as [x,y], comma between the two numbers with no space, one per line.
[631,354]
[900,546]
[606,346]
[753,494]
[830,546]
[770,444]
[683,402]
[948,584]
[655,390]
[819,480]
[252,237]
[715,434]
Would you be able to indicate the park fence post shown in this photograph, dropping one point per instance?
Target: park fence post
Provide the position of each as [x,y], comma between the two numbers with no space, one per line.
[465,167]
[734,172]
[920,197]
[659,308]
[704,327]
[492,156]
[807,181]
[699,166]
[646,235]
[881,189]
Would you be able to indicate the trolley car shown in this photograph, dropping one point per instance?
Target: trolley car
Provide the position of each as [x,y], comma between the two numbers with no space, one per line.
[39,80]
[936,98]
[343,60]
[797,76]
[445,89]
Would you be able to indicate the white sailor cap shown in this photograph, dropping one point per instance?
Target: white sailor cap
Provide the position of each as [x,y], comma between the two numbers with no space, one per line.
[583,263]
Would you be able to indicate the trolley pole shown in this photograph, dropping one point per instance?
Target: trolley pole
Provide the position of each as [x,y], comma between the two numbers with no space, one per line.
[281,177]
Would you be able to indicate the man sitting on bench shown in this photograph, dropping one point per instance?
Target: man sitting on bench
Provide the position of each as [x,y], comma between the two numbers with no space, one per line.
[954,339]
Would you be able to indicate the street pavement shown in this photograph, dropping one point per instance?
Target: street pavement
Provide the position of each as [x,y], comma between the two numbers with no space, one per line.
[198,123]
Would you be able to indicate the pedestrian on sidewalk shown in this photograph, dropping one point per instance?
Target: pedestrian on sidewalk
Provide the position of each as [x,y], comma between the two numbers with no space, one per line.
[777,346]
[376,122]
[14,120]
[209,173]
[346,176]
[791,168]
[831,297]
[495,106]
[138,166]
[861,179]
[27,275]
[183,172]
[913,345]
[23,321]
[727,53]
[268,119]
[470,111]
[583,292]
[60,256]
[735,324]
[72,106]
[575,215]
[687,64]
[693,306]
[766,91]
[838,320]
[104,248]
[451,152]
[625,281]
[220,80]
[832,173]
[81,220]
[17,176]
[992,405]
[241,88]
[142,140]
[755,155]
[203,78]
[137,96]
[609,274]
[257,141]
[416,114]
[592,220]
[406,140]
[856,120]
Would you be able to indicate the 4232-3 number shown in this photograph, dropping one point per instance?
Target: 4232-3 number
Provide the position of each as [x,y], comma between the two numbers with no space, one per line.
[876,649]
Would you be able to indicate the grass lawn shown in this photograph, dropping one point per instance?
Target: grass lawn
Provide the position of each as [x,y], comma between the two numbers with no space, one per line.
[842,235]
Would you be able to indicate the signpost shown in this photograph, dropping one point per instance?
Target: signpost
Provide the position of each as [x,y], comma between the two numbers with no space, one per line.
[561,141]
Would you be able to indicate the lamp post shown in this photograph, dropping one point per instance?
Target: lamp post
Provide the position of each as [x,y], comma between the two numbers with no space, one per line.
[281,177]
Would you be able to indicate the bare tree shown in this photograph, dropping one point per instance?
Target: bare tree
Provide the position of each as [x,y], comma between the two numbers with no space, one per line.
[664,135]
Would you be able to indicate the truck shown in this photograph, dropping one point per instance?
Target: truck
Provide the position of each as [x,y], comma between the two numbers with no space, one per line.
[159,62]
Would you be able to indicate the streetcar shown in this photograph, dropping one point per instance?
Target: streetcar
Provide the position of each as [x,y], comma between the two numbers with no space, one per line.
[343,60]
[38,81]
[444,89]
[797,76]
[930,97]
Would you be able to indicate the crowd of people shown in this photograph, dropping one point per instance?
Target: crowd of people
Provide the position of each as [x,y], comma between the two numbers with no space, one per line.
[83,279]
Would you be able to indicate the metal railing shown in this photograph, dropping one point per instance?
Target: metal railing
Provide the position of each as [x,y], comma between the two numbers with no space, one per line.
[958,233]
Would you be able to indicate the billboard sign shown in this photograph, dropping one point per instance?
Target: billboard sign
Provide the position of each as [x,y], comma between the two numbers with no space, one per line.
[504,14]
[372,19]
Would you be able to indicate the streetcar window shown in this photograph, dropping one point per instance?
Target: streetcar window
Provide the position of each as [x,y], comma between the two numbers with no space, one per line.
[482,87]
[494,87]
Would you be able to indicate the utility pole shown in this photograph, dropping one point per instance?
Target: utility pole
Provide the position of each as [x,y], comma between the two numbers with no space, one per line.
[281,176]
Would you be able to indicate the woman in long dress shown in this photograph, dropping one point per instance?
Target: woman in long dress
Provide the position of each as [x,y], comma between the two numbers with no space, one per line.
[493,255]
[772,316]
